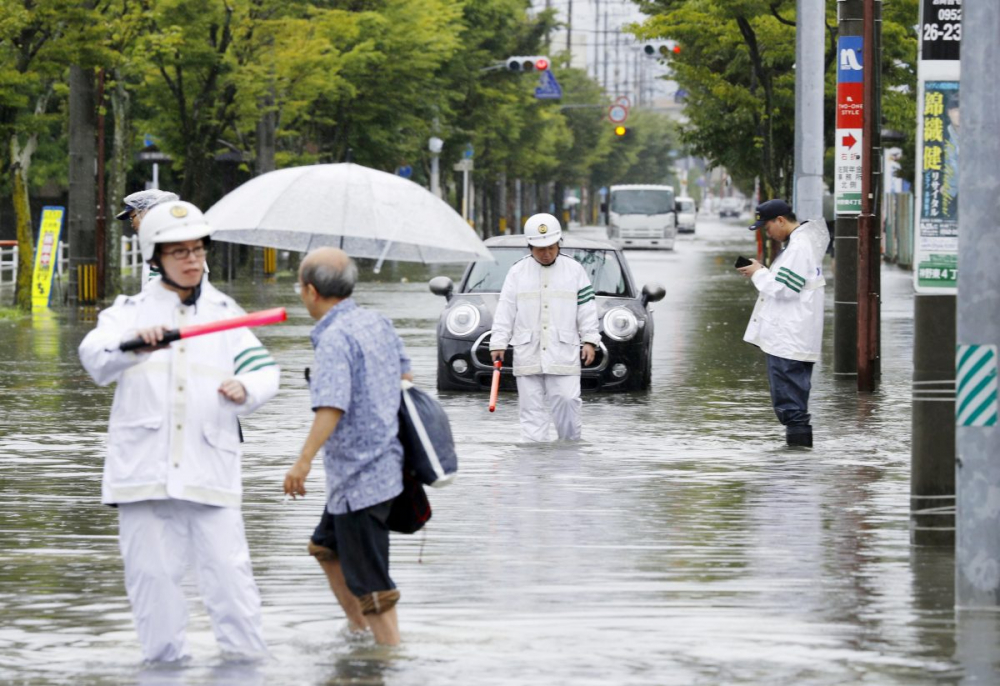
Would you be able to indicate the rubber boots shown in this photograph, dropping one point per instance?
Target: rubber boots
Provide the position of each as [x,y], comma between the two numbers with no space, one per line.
[801,436]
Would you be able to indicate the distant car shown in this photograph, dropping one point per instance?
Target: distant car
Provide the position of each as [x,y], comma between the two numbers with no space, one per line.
[730,207]
[687,215]
[624,358]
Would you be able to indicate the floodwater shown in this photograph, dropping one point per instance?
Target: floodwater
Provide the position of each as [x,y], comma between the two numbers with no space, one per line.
[680,543]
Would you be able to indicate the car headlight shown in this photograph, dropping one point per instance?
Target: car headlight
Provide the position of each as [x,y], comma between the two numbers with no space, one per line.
[462,320]
[620,324]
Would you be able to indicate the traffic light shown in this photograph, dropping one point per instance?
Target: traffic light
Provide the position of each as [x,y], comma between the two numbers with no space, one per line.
[522,63]
[623,132]
[663,50]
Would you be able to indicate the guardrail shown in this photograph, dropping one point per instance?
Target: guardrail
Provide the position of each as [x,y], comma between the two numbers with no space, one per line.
[131,259]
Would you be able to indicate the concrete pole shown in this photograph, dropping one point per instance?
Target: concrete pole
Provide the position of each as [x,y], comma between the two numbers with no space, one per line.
[605,44]
[436,175]
[932,451]
[810,44]
[850,21]
[597,34]
[977,554]
[81,225]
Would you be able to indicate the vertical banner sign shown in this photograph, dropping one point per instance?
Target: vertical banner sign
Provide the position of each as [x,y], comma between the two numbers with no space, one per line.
[46,256]
[850,109]
[938,182]
[936,240]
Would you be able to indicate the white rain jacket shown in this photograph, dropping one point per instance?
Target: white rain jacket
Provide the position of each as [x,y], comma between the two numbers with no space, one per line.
[172,434]
[787,320]
[544,313]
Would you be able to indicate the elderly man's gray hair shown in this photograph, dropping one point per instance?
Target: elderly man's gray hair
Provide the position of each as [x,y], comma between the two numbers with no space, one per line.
[329,280]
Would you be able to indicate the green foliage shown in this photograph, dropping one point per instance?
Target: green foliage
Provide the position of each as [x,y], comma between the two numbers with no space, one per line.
[736,65]
[366,80]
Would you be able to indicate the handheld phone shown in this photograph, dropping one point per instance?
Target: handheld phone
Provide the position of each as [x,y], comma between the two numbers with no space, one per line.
[742,262]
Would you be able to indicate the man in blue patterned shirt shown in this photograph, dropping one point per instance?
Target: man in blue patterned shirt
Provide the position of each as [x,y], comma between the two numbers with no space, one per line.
[354,387]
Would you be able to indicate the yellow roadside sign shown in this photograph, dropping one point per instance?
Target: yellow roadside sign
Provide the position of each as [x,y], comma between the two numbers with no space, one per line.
[46,256]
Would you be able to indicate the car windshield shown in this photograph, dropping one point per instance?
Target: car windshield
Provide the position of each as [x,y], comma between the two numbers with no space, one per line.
[642,201]
[686,205]
[603,269]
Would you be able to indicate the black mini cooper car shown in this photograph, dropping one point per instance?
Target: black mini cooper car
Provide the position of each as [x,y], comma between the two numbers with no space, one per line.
[624,359]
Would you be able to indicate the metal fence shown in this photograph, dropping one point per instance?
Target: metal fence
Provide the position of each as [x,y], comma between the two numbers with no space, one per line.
[131,259]
[899,229]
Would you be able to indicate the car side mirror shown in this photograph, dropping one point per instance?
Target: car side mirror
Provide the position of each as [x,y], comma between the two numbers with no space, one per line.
[442,285]
[651,293]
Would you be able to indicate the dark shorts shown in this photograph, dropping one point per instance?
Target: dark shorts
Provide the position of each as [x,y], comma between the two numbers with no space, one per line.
[360,540]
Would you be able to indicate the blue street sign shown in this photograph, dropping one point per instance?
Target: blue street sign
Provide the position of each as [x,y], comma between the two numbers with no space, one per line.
[849,62]
[406,171]
[148,141]
[602,191]
[548,87]
[468,152]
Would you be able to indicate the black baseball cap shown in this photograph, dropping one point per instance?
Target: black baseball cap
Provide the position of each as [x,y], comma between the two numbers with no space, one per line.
[772,209]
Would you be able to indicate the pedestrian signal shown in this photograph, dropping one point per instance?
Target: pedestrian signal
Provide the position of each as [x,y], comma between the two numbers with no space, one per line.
[522,63]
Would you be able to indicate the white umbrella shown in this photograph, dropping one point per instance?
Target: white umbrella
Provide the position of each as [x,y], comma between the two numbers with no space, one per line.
[367,213]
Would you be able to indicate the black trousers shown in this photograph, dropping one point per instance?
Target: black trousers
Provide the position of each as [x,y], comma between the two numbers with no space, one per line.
[790,381]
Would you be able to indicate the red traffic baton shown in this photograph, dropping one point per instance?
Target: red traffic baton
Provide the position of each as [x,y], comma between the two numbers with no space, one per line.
[262,318]
[495,388]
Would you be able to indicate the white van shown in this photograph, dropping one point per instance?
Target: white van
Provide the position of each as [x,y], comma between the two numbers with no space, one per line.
[687,215]
[642,216]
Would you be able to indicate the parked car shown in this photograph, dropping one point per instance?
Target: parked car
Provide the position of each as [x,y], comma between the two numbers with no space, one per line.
[730,207]
[624,358]
[687,215]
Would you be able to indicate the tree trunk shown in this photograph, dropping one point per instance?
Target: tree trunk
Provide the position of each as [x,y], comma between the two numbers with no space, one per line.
[20,159]
[266,136]
[120,108]
[20,163]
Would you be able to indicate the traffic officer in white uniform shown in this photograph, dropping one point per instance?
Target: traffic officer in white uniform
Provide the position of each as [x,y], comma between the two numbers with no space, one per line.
[546,309]
[787,320]
[136,206]
[173,461]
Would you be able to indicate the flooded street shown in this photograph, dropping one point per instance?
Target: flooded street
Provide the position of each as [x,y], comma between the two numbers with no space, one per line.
[680,543]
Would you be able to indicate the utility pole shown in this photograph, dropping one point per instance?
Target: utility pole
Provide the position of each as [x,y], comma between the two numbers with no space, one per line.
[605,42]
[597,33]
[845,242]
[869,235]
[569,32]
[936,247]
[810,41]
[82,190]
[977,554]
[100,233]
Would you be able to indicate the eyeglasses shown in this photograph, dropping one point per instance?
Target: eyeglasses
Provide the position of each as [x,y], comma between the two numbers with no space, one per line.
[184,253]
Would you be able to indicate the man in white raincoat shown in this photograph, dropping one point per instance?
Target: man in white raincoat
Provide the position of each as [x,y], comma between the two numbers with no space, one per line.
[787,321]
[546,309]
[173,461]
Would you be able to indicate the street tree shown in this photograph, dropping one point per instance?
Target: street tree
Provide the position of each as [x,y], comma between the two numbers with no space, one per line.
[34,55]
[736,67]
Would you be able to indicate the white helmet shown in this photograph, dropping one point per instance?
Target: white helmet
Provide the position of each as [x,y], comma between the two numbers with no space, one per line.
[542,230]
[171,222]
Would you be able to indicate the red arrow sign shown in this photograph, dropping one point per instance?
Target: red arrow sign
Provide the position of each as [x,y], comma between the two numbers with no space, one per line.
[849,141]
